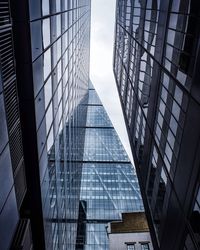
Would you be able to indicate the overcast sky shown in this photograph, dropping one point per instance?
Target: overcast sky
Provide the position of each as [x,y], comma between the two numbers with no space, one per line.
[101,61]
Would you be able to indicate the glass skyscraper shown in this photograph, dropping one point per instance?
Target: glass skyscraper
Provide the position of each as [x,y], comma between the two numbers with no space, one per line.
[109,185]
[44,56]
[156,67]
[63,172]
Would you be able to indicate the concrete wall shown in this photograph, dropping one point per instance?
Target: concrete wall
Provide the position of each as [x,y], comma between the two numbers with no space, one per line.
[117,241]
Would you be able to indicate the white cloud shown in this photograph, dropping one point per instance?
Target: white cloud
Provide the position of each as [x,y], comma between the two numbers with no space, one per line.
[101,71]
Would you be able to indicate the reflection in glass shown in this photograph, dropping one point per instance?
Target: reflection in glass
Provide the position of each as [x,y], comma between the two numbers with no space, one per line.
[46,32]
[45,7]
[47,63]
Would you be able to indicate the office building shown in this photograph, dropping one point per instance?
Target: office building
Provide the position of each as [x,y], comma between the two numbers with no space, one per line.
[156,67]
[12,169]
[132,233]
[109,184]
[44,57]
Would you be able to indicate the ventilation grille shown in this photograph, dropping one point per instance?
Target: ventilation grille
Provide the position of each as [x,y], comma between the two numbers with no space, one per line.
[22,239]
[16,149]
[20,184]
[7,57]
[11,104]
[4,13]
[10,88]
[8,76]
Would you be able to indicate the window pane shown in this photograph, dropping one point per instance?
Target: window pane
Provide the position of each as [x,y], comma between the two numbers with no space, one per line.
[45,7]
[47,63]
[46,32]
[47,92]
[131,247]
[145,246]
[49,118]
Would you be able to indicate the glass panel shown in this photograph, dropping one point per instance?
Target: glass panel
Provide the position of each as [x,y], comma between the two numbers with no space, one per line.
[49,118]
[47,63]
[145,246]
[45,7]
[47,92]
[131,247]
[46,32]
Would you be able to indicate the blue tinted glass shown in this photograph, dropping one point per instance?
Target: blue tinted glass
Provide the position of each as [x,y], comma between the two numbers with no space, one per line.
[109,185]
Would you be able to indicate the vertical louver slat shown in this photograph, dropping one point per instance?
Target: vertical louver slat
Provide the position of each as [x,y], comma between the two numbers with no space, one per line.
[22,239]
[16,147]
[8,69]
[8,76]
[11,105]
[20,185]
[4,13]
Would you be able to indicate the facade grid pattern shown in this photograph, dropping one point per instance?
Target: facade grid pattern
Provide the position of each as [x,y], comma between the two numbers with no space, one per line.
[52,43]
[109,184]
[156,58]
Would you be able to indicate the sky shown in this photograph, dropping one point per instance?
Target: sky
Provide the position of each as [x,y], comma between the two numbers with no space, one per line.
[101,64]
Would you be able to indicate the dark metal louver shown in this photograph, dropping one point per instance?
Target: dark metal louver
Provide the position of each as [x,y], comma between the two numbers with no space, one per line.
[8,75]
[8,70]
[20,184]
[11,104]
[4,13]
[16,146]
[22,239]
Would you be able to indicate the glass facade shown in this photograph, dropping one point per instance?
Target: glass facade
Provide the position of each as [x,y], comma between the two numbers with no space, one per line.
[64,180]
[64,173]
[65,58]
[156,58]
[52,44]
[109,184]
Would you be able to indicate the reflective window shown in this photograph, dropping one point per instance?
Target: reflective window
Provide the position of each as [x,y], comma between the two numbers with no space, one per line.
[144,246]
[49,118]
[175,5]
[46,32]
[45,7]
[131,246]
[47,92]
[58,9]
[50,140]
[58,51]
[47,63]
[59,72]
[178,95]
[58,25]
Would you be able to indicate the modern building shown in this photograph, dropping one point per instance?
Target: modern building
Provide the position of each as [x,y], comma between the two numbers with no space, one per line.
[132,233]
[109,184]
[13,187]
[156,67]
[44,74]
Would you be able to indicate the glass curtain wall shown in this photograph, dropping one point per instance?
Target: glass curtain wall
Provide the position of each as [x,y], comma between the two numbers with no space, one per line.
[156,60]
[60,39]
[109,184]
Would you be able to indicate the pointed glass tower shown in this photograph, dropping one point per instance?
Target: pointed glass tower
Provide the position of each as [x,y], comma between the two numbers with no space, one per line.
[109,185]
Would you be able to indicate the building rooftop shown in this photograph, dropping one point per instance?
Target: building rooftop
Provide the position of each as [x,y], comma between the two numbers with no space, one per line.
[131,222]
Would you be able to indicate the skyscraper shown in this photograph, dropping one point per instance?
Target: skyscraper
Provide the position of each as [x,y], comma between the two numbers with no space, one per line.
[156,67]
[109,185]
[49,51]
[12,170]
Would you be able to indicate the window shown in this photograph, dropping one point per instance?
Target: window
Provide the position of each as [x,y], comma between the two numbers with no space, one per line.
[145,246]
[46,32]
[131,246]
[47,92]
[47,63]
[45,7]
